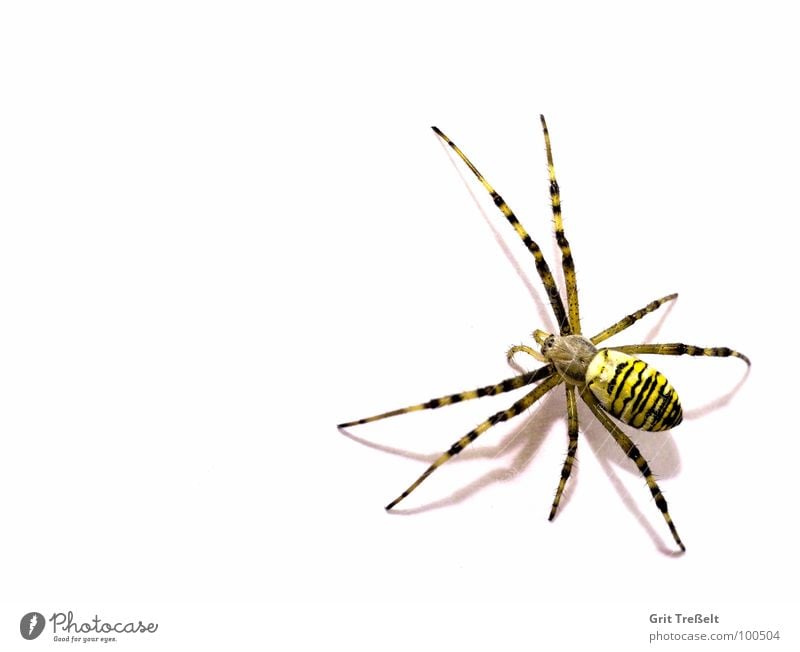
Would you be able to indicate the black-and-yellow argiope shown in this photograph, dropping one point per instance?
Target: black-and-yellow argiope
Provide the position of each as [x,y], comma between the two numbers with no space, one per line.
[609,380]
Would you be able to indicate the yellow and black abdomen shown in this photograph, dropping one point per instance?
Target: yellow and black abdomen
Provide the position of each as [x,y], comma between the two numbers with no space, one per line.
[633,391]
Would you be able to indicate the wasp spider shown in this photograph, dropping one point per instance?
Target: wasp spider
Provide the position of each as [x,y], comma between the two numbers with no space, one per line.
[611,381]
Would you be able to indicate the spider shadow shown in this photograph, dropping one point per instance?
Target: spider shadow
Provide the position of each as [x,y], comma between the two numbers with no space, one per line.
[717,403]
[710,406]
[542,309]
[668,464]
[660,316]
[525,440]
[658,449]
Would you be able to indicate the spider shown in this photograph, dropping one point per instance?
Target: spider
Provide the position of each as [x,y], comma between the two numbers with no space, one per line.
[611,381]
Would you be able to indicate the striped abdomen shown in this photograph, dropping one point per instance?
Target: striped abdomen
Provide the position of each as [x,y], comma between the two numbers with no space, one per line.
[633,391]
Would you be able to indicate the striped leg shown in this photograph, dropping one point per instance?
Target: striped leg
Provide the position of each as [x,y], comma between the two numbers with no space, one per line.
[504,415]
[541,264]
[633,453]
[676,348]
[507,385]
[566,252]
[572,449]
[631,319]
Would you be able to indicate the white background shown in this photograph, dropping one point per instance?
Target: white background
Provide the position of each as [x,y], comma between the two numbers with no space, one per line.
[226,227]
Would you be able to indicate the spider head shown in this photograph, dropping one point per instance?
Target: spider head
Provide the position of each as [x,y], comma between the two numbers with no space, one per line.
[546,341]
[571,354]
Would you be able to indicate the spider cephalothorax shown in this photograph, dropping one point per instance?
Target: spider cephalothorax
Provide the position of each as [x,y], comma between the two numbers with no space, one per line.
[611,381]
[571,355]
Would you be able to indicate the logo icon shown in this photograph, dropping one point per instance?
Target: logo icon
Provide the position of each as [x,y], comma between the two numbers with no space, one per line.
[31,625]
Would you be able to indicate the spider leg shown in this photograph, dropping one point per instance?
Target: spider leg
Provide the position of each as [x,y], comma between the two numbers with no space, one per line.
[633,453]
[572,428]
[676,348]
[504,415]
[507,385]
[522,348]
[567,262]
[628,320]
[541,264]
